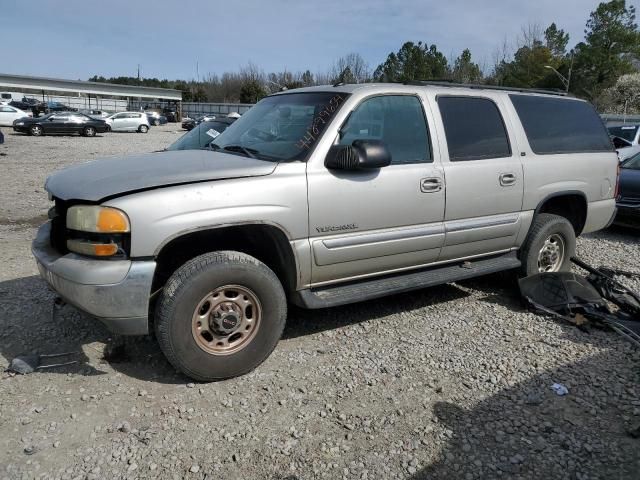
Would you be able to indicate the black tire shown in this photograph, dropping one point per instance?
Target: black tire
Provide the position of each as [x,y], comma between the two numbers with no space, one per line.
[143,129]
[184,292]
[89,132]
[36,131]
[544,227]
[156,123]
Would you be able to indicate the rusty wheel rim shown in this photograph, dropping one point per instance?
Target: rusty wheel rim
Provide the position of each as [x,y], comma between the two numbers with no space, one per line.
[551,255]
[226,320]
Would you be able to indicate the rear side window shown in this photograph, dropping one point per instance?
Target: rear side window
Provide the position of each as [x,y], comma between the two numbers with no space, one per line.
[557,125]
[474,128]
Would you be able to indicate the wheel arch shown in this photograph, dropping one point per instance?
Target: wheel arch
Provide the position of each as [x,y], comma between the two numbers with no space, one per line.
[570,204]
[267,242]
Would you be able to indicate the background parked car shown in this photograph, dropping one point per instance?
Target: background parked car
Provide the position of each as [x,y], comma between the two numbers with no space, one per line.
[201,136]
[61,123]
[30,105]
[99,114]
[171,114]
[628,201]
[128,122]
[9,113]
[189,123]
[626,139]
[156,118]
[60,107]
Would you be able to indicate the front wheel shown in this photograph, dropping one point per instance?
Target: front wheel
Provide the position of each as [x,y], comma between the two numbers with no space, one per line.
[549,246]
[89,132]
[143,129]
[220,315]
[156,122]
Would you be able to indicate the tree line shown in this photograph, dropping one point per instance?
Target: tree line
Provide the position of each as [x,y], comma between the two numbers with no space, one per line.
[603,67]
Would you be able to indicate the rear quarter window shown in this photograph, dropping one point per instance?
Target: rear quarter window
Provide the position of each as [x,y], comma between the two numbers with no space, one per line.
[560,125]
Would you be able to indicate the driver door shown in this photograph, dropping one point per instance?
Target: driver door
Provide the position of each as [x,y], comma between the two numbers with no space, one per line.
[56,123]
[368,222]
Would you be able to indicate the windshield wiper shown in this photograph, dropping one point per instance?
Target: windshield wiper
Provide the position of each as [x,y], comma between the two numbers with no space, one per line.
[249,152]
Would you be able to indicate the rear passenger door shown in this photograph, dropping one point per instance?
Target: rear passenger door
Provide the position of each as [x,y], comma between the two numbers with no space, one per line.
[483,174]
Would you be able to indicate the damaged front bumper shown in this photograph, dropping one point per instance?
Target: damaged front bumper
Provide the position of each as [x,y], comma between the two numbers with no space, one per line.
[116,292]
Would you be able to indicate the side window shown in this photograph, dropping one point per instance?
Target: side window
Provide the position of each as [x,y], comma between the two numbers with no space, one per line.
[561,125]
[7,109]
[474,128]
[397,120]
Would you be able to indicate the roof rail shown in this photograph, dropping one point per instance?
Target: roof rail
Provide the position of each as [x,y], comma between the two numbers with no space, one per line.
[446,83]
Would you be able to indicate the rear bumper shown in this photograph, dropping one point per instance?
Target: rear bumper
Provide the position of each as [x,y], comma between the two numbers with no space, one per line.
[628,215]
[115,292]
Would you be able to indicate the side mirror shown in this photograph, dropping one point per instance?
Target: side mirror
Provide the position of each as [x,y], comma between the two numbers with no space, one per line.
[360,155]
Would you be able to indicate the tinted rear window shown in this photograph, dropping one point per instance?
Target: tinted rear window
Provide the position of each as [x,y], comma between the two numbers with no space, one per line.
[557,125]
[474,128]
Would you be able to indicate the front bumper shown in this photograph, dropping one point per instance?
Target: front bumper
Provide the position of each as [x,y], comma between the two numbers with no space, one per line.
[116,292]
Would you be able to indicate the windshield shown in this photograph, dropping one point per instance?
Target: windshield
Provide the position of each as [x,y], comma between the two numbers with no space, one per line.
[199,138]
[282,127]
[633,163]
[628,132]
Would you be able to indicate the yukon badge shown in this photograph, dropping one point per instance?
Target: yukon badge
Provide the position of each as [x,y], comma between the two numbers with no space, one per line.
[337,228]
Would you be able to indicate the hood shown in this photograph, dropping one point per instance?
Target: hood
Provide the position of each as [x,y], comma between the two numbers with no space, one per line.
[109,177]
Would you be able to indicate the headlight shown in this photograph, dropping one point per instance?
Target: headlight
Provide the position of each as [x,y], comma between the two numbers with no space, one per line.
[97,231]
[19,123]
[96,219]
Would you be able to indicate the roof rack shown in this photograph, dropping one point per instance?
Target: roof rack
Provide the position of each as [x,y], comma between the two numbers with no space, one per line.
[446,83]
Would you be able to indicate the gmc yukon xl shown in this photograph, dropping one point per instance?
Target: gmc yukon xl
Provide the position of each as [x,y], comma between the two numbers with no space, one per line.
[324,196]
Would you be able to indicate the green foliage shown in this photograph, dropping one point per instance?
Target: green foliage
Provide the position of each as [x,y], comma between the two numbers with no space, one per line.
[251,91]
[464,70]
[611,41]
[556,41]
[414,61]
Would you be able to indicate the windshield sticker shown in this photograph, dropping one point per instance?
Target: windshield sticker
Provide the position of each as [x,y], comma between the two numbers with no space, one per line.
[319,121]
[212,133]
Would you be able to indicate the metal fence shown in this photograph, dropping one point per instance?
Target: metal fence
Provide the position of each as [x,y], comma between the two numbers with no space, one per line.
[193,109]
[611,119]
[84,102]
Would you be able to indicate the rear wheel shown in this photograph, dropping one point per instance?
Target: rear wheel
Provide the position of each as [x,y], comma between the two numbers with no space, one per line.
[89,132]
[143,129]
[220,315]
[549,246]
[36,130]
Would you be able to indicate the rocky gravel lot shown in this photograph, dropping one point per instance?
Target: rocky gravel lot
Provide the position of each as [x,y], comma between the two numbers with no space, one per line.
[449,382]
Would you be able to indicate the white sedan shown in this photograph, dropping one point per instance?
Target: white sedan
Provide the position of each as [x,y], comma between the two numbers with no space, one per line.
[128,122]
[8,114]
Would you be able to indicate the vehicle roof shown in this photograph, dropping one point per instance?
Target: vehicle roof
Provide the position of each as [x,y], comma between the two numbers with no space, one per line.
[437,87]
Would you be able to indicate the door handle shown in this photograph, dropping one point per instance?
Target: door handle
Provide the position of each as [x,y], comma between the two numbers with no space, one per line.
[430,185]
[507,179]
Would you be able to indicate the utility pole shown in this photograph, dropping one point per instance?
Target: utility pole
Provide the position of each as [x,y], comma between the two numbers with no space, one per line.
[138,74]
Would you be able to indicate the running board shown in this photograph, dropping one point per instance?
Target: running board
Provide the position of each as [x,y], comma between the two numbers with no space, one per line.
[352,292]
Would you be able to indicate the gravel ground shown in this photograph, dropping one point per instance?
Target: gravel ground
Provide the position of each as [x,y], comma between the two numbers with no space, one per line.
[448,382]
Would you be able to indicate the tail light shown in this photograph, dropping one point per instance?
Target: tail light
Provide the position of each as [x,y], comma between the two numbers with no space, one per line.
[617,190]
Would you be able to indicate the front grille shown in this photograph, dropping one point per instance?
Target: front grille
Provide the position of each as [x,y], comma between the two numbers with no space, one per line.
[58,237]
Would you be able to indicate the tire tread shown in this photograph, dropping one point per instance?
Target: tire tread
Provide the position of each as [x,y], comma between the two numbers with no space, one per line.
[179,280]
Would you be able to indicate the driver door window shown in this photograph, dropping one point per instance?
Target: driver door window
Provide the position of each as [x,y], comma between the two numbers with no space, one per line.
[397,120]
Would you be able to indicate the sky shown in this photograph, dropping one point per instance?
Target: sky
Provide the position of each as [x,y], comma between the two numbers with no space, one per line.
[173,39]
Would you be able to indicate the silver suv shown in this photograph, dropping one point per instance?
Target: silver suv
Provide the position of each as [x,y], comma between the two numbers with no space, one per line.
[324,196]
